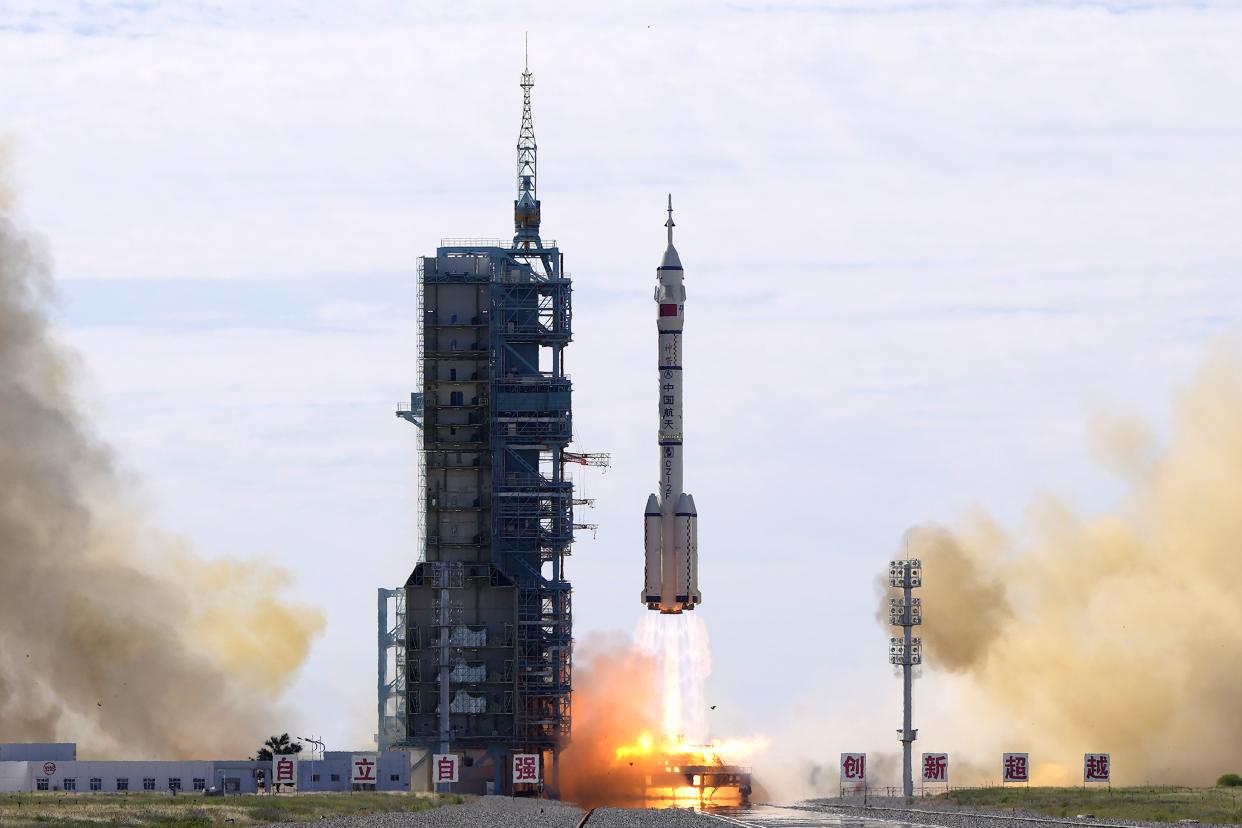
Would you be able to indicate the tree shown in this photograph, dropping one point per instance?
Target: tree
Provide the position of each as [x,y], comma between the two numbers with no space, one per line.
[277,746]
[1230,780]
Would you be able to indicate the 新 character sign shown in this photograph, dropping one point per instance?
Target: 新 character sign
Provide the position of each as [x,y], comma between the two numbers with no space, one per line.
[935,767]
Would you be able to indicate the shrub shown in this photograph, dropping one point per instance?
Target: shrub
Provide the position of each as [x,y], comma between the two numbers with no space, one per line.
[1230,780]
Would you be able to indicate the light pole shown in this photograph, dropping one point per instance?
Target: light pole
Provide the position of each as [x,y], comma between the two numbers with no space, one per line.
[316,745]
[906,612]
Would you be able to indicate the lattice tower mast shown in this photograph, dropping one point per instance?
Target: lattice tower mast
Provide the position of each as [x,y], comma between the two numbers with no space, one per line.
[526,207]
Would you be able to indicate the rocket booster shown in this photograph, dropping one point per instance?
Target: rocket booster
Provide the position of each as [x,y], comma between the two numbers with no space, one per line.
[670,521]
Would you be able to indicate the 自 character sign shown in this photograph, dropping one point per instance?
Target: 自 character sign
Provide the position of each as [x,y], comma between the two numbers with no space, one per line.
[444,767]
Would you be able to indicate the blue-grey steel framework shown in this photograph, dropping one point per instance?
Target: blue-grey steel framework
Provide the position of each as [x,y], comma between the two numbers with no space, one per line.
[521,423]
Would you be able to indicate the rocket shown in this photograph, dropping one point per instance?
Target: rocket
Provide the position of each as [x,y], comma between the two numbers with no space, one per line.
[670,521]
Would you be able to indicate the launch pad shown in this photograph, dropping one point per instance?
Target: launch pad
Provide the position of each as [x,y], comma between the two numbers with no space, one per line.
[702,786]
[653,773]
[710,785]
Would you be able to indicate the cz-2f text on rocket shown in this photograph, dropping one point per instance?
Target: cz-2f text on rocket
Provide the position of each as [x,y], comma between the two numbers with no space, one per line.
[670,523]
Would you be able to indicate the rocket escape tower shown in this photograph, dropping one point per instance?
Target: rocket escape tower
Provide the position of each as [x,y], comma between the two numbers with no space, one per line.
[476,648]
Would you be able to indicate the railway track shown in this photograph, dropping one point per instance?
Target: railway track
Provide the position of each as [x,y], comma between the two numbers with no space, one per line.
[823,816]
[774,816]
[927,812]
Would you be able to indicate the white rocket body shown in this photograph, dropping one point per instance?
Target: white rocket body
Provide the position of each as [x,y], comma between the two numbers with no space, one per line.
[670,521]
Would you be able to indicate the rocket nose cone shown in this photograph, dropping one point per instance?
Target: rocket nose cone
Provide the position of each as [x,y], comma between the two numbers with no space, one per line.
[653,505]
[684,504]
[693,509]
[671,259]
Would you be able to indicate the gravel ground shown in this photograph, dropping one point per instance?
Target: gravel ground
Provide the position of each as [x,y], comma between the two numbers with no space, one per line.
[930,812]
[503,812]
[486,812]
[648,818]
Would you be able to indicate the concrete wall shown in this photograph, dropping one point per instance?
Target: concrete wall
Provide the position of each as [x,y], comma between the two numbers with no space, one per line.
[333,771]
[14,777]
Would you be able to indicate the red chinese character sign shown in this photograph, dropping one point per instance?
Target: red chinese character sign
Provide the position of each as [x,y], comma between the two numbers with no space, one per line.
[1015,767]
[525,768]
[444,768]
[935,767]
[1096,767]
[853,771]
[285,771]
[362,769]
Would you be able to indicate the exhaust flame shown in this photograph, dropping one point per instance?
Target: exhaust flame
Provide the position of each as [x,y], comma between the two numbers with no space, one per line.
[112,633]
[641,734]
[680,646]
[727,752]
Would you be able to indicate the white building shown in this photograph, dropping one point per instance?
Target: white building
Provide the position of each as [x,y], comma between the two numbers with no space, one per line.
[29,768]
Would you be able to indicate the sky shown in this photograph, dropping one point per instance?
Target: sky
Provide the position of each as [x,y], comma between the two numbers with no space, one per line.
[925,243]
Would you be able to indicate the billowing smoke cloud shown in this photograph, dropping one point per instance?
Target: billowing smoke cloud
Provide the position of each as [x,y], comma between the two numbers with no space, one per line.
[113,634]
[616,697]
[1118,632]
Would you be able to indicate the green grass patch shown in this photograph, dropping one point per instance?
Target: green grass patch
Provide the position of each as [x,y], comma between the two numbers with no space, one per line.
[1151,804]
[87,810]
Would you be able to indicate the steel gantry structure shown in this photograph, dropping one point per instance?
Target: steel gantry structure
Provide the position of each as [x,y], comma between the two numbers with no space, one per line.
[476,647]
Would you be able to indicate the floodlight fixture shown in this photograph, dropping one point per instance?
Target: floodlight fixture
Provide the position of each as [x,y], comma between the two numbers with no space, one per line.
[901,614]
[900,656]
[906,573]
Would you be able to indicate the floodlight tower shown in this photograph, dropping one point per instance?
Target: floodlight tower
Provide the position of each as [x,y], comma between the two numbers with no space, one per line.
[906,612]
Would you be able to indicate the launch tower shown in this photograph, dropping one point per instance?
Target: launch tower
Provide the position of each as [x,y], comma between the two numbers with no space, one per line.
[475,649]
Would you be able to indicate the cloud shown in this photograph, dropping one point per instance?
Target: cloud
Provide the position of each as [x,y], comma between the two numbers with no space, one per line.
[921,239]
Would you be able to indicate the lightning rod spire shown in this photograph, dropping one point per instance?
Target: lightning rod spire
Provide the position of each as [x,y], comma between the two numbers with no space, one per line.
[526,208]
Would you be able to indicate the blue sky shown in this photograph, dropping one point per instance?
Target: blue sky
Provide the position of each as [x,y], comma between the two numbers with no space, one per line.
[924,243]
